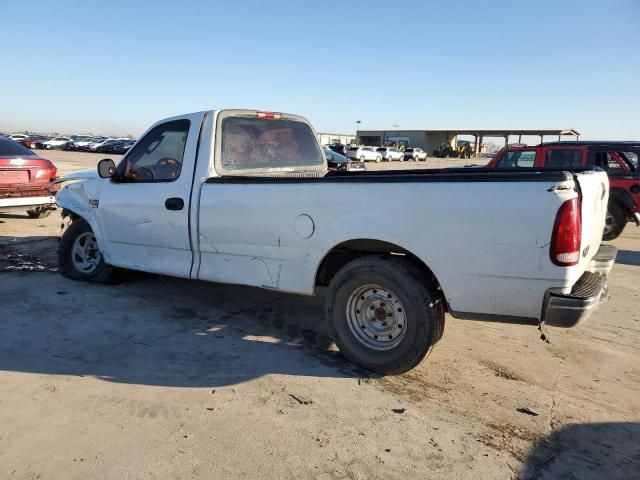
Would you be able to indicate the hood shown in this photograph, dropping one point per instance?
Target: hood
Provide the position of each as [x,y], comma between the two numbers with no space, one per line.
[79,175]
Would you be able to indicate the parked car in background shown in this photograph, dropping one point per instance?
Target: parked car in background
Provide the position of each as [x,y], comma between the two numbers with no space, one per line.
[17,136]
[339,148]
[618,159]
[364,154]
[32,140]
[340,163]
[390,153]
[26,180]
[113,146]
[123,147]
[93,146]
[40,142]
[416,154]
[83,144]
[75,139]
[105,145]
[56,143]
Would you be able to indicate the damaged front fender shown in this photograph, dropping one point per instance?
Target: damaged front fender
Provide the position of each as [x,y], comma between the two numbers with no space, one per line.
[82,199]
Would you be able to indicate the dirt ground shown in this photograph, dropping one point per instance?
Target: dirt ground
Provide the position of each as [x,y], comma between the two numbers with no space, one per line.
[166,378]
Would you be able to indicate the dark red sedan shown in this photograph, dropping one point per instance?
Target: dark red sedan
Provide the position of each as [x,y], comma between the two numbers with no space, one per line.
[30,141]
[26,180]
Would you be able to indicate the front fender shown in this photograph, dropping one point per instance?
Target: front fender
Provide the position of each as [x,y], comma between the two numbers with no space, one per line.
[82,199]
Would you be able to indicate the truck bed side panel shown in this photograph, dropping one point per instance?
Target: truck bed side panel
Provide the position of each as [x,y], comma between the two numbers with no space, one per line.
[486,242]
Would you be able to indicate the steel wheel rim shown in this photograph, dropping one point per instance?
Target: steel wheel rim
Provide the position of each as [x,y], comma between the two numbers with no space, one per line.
[85,254]
[609,222]
[376,317]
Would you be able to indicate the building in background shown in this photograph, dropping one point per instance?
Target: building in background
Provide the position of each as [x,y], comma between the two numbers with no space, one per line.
[334,138]
[431,140]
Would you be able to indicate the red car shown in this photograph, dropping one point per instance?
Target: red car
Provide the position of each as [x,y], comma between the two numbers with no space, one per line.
[30,142]
[26,180]
[618,159]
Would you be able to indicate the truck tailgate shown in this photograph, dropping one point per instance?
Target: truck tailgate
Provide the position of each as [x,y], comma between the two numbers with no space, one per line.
[594,189]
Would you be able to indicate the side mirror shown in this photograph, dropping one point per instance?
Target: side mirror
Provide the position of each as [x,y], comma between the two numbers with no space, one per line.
[106,168]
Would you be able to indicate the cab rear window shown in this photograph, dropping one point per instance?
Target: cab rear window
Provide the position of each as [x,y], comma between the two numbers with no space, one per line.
[249,143]
[559,158]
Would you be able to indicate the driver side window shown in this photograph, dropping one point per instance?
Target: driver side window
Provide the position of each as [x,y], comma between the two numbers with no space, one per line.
[157,157]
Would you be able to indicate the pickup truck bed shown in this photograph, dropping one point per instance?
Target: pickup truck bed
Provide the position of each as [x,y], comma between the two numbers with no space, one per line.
[397,249]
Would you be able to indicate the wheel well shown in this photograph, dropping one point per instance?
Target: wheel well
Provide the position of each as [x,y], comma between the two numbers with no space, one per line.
[69,213]
[345,252]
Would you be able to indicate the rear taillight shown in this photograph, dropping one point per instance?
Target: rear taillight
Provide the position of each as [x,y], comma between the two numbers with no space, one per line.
[48,174]
[567,231]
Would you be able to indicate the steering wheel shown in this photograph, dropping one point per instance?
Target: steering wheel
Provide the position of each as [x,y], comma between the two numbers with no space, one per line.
[140,173]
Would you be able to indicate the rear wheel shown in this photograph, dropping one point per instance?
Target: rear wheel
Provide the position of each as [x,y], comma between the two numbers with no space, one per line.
[378,159]
[615,221]
[362,159]
[79,257]
[383,316]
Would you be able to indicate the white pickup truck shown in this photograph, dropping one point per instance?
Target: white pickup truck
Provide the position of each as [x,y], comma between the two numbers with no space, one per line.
[244,197]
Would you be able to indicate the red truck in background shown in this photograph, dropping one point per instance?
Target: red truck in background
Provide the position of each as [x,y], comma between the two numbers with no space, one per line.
[618,159]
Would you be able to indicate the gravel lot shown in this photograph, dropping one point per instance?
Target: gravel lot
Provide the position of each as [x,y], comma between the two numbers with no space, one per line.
[168,378]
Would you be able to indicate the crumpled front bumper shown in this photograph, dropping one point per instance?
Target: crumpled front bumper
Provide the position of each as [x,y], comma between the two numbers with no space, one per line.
[569,310]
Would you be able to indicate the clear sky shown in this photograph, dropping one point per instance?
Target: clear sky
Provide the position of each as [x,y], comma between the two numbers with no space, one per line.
[115,66]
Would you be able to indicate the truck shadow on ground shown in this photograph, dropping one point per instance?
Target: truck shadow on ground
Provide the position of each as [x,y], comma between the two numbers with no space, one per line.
[28,254]
[587,451]
[162,331]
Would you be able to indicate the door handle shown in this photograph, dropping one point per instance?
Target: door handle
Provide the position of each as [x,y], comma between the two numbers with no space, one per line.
[174,203]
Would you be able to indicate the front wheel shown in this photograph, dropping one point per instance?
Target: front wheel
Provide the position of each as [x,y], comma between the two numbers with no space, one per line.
[79,257]
[616,220]
[383,316]
[378,159]
[362,159]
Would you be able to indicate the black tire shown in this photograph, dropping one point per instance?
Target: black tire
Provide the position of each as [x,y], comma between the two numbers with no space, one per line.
[616,221]
[362,159]
[423,313]
[102,273]
[39,212]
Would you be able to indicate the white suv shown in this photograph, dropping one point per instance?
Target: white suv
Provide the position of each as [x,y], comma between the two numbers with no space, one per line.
[56,142]
[416,154]
[364,154]
[390,153]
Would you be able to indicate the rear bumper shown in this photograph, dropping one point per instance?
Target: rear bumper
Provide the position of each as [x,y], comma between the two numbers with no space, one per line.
[573,308]
[19,202]
[603,260]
